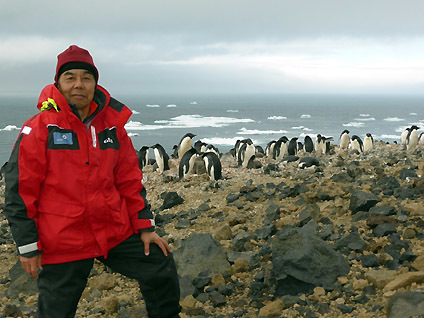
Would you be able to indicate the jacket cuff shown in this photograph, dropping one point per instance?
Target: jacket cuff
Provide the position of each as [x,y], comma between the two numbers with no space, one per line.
[141,224]
[28,248]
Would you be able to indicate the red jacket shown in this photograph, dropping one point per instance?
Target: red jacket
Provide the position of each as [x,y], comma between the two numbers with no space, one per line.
[73,188]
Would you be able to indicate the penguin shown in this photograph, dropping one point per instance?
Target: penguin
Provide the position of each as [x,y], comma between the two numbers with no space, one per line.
[322,144]
[269,149]
[307,162]
[161,157]
[404,135]
[280,148]
[317,143]
[292,147]
[308,144]
[326,144]
[247,150]
[174,152]
[290,158]
[143,157]
[299,146]
[237,146]
[185,144]
[368,142]
[412,138]
[259,150]
[212,148]
[213,165]
[356,144]
[421,139]
[187,163]
[200,146]
[344,140]
[252,164]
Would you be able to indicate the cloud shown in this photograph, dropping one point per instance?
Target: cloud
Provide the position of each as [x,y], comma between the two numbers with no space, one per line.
[238,45]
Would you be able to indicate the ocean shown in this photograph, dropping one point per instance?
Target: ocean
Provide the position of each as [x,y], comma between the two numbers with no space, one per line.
[223,119]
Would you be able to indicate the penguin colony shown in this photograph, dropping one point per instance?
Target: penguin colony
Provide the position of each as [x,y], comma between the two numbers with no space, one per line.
[191,155]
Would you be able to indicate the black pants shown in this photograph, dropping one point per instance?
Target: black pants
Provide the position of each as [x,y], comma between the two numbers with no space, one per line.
[61,285]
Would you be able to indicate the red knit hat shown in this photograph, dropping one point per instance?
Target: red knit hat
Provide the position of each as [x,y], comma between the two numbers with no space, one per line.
[75,57]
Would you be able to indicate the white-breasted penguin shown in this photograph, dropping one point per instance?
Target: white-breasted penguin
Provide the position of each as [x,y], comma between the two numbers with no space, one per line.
[412,138]
[344,140]
[368,142]
[161,157]
[356,144]
[213,165]
[185,144]
[187,163]
[421,139]
[269,149]
[143,157]
[245,153]
[200,146]
[307,162]
[174,154]
[308,145]
[212,148]
[319,144]
[404,135]
[292,147]
[280,148]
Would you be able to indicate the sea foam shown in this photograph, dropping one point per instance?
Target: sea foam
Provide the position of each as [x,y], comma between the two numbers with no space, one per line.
[277,117]
[245,131]
[393,119]
[10,128]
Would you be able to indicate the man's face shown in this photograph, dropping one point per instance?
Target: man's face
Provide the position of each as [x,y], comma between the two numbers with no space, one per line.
[78,86]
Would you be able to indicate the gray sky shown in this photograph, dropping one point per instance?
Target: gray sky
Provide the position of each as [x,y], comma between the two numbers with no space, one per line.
[231,46]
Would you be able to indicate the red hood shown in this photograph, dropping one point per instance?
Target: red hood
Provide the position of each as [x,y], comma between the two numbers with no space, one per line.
[118,116]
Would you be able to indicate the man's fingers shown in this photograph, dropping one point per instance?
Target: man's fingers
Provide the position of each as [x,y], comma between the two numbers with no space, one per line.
[163,246]
[146,249]
[31,265]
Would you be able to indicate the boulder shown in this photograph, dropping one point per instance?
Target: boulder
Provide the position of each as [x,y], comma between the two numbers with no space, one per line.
[405,305]
[302,261]
[200,253]
[362,201]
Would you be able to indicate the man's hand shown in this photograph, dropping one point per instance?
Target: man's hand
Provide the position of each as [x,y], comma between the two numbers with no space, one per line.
[31,265]
[152,237]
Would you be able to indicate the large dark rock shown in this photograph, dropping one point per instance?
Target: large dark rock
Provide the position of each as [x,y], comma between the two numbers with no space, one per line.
[405,305]
[200,253]
[362,201]
[21,282]
[170,199]
[302,261]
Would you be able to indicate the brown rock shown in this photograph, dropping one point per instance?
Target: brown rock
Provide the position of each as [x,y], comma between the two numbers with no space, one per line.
[380,278]
[240,265]
[414,208]
[404,280]
[218,280]
[110,304]
[223,232]
[418,264]
[188,305]
[272,309]
[104,281]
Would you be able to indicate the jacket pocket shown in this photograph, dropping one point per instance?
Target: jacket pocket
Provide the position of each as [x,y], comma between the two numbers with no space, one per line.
[61,226]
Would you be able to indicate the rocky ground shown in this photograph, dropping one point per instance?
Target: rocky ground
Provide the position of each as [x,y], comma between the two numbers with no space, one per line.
[343,239]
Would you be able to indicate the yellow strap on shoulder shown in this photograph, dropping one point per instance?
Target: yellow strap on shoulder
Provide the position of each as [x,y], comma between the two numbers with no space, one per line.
[49,104]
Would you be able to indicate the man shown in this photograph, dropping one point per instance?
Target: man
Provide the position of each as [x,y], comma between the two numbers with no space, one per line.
[74,193]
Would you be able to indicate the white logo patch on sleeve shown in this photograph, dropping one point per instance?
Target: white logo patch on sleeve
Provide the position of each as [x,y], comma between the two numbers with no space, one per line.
[26,130]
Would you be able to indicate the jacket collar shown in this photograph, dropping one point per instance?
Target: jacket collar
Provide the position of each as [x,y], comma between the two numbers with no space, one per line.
[116,113]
